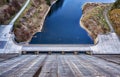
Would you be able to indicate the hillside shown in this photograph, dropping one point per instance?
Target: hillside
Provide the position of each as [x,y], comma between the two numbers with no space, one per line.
[114,16]
[93,19]
[8,8]
[31,20]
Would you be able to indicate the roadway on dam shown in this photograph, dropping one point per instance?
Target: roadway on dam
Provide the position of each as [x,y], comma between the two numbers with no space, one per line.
[57,47]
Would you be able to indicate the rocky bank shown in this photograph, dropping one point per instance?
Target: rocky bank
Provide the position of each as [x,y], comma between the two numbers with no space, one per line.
[31,21]
[93,20]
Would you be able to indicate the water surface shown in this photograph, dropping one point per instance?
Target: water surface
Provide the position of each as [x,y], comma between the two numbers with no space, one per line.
[62,26]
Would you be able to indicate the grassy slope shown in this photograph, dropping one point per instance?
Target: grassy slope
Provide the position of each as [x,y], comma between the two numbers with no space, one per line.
[114,15]
[6,17]
[31,21]
[94,20]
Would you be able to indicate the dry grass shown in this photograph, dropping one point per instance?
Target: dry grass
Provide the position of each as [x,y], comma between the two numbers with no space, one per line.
[30,21]
[94,20]
[115,18]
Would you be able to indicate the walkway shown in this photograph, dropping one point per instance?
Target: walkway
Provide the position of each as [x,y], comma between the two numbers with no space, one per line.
[105,13]
[56,47]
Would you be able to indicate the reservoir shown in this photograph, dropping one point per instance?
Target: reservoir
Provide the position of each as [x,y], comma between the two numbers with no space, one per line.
[61,25]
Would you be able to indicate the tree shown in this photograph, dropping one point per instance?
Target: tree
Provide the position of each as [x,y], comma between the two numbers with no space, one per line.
[8,1]
[116,5]
[48,2]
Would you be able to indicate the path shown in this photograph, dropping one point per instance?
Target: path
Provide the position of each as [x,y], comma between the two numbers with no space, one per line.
[105,13]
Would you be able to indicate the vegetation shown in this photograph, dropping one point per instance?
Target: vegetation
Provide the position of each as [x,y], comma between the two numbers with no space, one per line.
[31,20]
[23,27]
[116,5]
[48,2]
[9,9]
[114,16]
[2,2]
[93,19]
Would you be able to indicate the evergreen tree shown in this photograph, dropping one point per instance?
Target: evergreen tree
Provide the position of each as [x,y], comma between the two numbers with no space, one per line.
[48,2]
[116,5]
[8,1]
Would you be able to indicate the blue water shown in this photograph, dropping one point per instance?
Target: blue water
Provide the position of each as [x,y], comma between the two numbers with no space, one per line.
[62,26]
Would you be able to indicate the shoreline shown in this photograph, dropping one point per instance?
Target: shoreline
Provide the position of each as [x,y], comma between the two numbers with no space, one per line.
[41,27]
[82,26]
[81,22]
[42,22]
[43,19]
